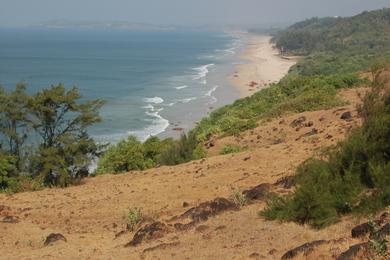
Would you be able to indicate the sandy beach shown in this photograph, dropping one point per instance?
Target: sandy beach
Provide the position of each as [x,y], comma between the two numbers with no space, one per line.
[264,66]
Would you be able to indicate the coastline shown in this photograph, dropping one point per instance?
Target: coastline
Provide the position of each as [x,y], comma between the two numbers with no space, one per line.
[264,66]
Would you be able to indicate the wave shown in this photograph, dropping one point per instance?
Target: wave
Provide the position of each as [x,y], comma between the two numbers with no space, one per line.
[210,94]
[202,72]
[155,100]
[181,87]
[187,100]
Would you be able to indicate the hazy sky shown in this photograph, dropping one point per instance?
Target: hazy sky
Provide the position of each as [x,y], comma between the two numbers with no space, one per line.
[179,12]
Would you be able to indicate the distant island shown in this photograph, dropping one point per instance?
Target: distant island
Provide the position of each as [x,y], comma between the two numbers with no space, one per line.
[120,25]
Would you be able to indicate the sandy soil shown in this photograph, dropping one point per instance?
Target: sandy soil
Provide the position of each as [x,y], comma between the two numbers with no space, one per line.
[91,216]
[264,66]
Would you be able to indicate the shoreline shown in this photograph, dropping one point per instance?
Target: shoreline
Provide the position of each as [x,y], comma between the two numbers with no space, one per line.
[264,66]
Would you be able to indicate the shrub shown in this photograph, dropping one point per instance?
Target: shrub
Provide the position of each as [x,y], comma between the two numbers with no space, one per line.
[238,197]
[134,217]
[230,148]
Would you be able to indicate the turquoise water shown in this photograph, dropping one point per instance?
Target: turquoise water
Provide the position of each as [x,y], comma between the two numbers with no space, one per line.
[151,81]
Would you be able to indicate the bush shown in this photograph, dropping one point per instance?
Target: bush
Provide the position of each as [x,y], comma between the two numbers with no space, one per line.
[238,197]
[229,148]
[8,177]
[134,217]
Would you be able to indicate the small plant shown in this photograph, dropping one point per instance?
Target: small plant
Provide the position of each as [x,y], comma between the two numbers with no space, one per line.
[238,197]
[378,242]
[230,148]
[134,217]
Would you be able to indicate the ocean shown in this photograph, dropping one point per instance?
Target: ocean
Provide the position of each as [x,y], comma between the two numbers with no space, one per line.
[152,81]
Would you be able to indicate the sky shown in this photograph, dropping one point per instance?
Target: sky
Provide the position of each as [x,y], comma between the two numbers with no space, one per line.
[179,12]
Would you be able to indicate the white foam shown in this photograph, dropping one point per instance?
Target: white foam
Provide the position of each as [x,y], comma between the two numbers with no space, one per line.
[155,100]
[202,71]
[181,87]
[210,94]
[187,100]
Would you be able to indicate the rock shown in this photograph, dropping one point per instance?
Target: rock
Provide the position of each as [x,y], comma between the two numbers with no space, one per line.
[10,220]
[313,131]
[361,230]
[272,251]
[309,124]
[149,232]
[208,209]
[202,228]
[355,252]
[278,141]
[298,122]
[286,182]
[257,193]
[184,227]
[210,143]
[161,246]
[247,158]
[346,116]
[254,255]
[328,136]
[185,204]
[54,237]
[305,249]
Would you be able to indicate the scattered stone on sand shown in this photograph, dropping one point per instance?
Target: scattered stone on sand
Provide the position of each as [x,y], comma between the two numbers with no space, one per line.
[298,122]
[286,182]
[54,237]
[346,116]
[356,252]
[208,209]
[10,220]
[257,193]
[149,232]
[305,249]
[361,230]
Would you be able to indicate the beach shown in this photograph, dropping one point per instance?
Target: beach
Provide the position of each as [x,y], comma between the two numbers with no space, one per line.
[264,66]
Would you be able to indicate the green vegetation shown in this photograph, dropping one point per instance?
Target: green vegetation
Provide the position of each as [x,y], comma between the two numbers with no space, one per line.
[353,178]
[378,242]
[134,217]
[230,148]
[44,137]
[131,154]
[292,94]
[337,45]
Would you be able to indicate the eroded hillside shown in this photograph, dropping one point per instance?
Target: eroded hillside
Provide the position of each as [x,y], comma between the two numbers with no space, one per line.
[187,208]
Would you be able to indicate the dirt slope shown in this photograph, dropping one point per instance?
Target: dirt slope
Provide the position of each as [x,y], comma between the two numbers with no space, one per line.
[91,216]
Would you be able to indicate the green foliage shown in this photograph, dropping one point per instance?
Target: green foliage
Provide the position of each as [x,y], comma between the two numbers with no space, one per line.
[354,178]
[52,125]
[128,155]
[131,154]
[378,242]
[8,177]
[187,148]
[229,148]
[337,45]
[133,218]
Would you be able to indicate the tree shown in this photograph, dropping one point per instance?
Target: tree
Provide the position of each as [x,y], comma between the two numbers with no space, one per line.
[61,122]
[14,119]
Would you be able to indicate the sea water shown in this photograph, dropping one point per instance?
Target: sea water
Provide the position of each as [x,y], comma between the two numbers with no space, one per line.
[152,81]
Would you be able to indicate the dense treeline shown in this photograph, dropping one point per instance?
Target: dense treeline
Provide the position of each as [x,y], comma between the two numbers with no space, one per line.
[44,138]
[337,45]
